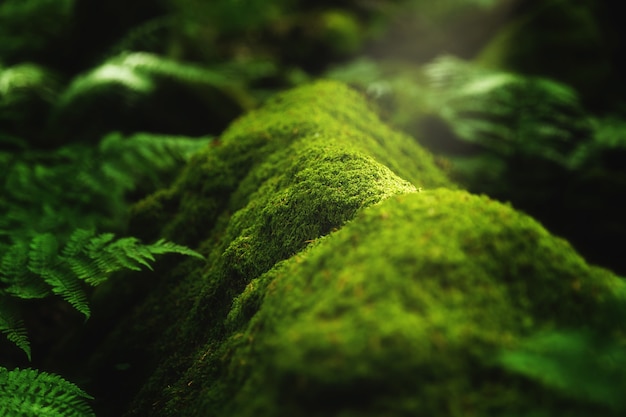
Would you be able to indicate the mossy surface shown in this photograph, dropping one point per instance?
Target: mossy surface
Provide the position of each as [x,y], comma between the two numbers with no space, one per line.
[335,287]
[322,115]
[276,181]
[401,313]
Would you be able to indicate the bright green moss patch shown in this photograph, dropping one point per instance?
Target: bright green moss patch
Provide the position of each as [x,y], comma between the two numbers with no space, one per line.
[402,311]
[325,115]
[276,181]
[333,287]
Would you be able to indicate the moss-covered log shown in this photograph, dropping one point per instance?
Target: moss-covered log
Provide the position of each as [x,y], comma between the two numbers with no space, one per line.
[345,276]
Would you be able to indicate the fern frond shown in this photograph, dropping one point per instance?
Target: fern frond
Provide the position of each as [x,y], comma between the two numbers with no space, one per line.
[45,262]
[143,157]
[31,393]
[128,252]
[506,113]
[36,269]
[608,139]
[77,243]
[83,186]
[15,276]
[69,288]
[136,73]
[12,326]
[42,254]
[108,255]
[578,364]
[162,246]
[76,254]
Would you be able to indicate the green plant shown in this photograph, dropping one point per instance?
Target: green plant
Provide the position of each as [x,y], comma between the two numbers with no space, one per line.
[84,186]
[31,393]
[576,364]
[28,27]
[506,113]
[38,269]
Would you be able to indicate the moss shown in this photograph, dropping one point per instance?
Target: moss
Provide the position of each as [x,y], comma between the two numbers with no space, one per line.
[276,181]
[400,311]
[324,114]
[334,287]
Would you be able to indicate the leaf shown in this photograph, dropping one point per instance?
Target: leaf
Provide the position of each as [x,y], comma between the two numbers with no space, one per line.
[32,393]
[13,327]
[36,269]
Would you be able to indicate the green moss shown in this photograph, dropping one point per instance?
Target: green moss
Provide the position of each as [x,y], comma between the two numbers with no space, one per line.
[276,181]
[325,115]
[400,313]
[333,287]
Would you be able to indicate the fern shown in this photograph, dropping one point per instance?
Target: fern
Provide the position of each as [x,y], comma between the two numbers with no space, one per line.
[506,113]
[11,326]
[31,393]
[28,27]
[576,364]
[149,36]
[78,186]
[608,138]
[39,269]
[142,92]
[26,94]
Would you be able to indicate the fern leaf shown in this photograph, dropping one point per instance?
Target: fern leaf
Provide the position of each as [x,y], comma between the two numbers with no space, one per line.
[76,255]
[98,243]
[35,270]
[77,243]
[130,253]
[18,280]
[162,246]
[144,157]
[103,255]
[506,113]
[68,287]
[42,255]
[88,270]
[31,393]
[13,327]
[45,262]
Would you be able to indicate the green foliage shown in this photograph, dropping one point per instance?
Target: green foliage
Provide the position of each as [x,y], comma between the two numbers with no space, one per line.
[80,186]
[227,16]
[576,364]
[269,197]
[40,269]
[505,113]
[137,72]
[409,302]
[12,326]
[26,94]
[140,91]
[608,143]
[31,393]
[27,27]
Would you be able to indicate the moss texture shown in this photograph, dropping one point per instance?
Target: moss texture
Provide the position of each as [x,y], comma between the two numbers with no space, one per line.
[401,311]
[335,286]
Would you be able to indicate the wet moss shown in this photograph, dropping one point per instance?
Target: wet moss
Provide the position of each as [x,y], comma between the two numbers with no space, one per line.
[324,114]
[401,311]
[333,286]
[276,181]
